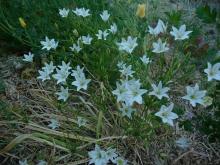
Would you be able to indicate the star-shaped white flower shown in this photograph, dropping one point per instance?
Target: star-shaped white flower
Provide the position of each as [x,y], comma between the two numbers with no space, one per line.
[44,75]
[49,44]
[135,92]
[87,39]
[62,73]
[105,15]
[146,60]
[46,71]
[194,95]
[49,67]
[82,12]
[129,92]
[127,111]
[78,72]
[111,154]
[102,34]
[81,83]
[166,114]
[181,33]
[128,45]
[28,57]
[80,80]
[160,28]
[159,91]
[120,91]
[63,94]
[65,66]
[213,71]
[64,12]
[76,48]
[81,121]
[159,46]
[113,28]
[54,124]
[98,156]
[127,71]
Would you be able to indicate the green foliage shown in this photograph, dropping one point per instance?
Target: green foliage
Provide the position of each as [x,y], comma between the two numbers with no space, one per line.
[207,14]
[2,86]
[209,124]
[174,17]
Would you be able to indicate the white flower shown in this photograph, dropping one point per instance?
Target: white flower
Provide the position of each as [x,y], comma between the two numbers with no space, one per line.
[64,12]
[166,114]
[111,154]
[78,72]
[81,121]
[54,124]
[87,39]
[23,162]
[194,95]
[128,45]
[213,72]
[65,66]
[49,44]
[120,64]
[81,12]
[120,91]
[129,92]
[181,33]
[76,47]
[159,46]
[160,28]
[146,60]
[98,156]
[102,34]
[28,57]
[62,73]
[105,15]
[113,28]
[80,80]
[135,92]
[49,67]
[126,71]
[46,71]
[61,76]
[81,83]
[183,143]
[127,111]
[159,91]
[44,75]
[64,94]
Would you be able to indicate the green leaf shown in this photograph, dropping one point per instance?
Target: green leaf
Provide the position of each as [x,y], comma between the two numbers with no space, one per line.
[174,17]
[206,14]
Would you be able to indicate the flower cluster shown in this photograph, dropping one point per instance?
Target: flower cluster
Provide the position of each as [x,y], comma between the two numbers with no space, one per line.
[129,90]
[61,75]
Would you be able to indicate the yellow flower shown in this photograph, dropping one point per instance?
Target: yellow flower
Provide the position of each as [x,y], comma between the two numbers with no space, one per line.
[22,22]
[141,10]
